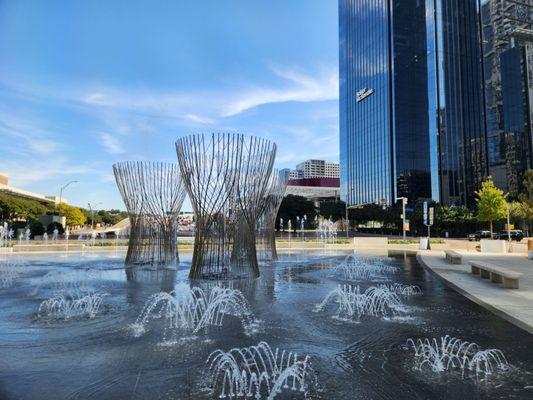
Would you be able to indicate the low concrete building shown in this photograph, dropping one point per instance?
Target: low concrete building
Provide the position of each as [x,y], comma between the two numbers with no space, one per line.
[6,188]
[315,189]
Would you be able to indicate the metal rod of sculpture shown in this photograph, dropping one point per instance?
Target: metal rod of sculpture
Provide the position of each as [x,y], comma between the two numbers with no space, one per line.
[225,175]
[153,193]
[266,226]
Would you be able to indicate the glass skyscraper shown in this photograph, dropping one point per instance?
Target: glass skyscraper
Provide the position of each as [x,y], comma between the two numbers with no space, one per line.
[508,77]
[384,141]
[456,98]
[411,101]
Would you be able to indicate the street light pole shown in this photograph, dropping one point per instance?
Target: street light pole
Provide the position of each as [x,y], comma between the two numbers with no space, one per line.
[92,213]
[347,220]
[404,201]
[347,214]
[61,192]
[508,222]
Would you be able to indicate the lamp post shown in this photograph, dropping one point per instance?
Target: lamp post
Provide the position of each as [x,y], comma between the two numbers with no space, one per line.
[92,212]
[61,193]
[508,221]
[347,213]
[404,201]
[347,220]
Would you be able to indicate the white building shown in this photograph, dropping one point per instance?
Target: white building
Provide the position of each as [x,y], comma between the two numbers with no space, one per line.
[288,174]
[318,169]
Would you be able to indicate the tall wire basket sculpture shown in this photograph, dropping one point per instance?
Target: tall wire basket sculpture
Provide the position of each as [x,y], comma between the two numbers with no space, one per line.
[266,224]
[153,193]
[225,176]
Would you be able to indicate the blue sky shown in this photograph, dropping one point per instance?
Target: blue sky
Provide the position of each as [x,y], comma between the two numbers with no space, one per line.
[84,84]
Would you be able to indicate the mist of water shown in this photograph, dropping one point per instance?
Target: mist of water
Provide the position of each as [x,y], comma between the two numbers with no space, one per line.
[8,274]
[355,268]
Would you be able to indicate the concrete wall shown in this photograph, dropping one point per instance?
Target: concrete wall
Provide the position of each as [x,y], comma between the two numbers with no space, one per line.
[370,242]
[19,248]
[493,246]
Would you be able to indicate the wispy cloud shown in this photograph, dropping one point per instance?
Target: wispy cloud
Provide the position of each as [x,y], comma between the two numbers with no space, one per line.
[31,154]
[200,106]
[33,169]
[111,144]
[28,136]
[300,88]
[198,119]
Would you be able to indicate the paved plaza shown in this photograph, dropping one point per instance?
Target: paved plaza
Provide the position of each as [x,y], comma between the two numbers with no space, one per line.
[515,305]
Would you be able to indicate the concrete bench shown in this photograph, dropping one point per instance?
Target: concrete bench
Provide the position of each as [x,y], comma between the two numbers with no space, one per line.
[453,257]
[496,274]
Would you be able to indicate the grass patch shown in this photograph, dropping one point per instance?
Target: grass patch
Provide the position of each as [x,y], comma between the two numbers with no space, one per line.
[327,241]
[96,243]
[414,241]
[106,244]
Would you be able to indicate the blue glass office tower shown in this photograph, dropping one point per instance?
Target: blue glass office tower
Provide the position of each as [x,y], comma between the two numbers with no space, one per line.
[384,141]
[411,101]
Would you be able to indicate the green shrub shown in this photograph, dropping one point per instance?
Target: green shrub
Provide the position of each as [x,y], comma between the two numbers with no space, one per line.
[36,229]
[414,241]
[55,225]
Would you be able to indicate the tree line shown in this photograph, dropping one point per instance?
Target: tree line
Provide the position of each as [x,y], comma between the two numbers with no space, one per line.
[25,213]
[490,212]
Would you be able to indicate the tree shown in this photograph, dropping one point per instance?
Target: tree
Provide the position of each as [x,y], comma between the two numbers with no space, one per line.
[333,209]
[111,217]
[74,215]
[455,220]
[296,206]
[55,225]
[36,229]
[388,217]
[491,203]
[524,209]
[14,207]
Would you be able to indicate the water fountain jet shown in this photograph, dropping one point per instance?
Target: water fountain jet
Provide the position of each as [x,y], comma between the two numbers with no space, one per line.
[450,353]
[66,307]
[257,371]
[375,301]
[192,310]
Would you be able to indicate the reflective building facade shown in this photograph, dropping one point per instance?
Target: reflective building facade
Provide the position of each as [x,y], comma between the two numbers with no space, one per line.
[384,144]
[411,101]
[456,98]
[508,78]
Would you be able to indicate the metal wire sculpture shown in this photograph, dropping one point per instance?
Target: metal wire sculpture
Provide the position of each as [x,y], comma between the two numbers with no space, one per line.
[226,176]
[153,193]
[266,224]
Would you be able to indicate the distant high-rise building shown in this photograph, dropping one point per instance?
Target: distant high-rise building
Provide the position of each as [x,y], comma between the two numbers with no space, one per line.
[456,102]
[508,69]
[289,174]
[411,101]
[318,169]
[384,141]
